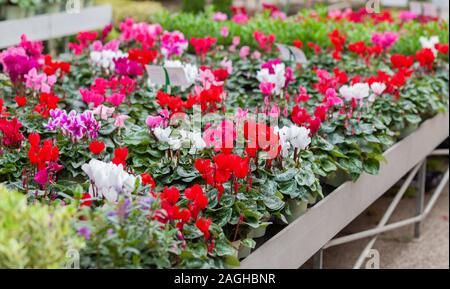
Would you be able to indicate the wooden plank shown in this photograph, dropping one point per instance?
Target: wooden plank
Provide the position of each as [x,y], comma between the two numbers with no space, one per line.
[296,243]
[49,26]
[394,3]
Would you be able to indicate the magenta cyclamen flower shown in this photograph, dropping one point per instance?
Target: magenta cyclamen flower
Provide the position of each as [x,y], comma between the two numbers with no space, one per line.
[18,65]
[73,124]
[159,120]
[41,177]
[270,65]
[125,66]
[267,87]
[173,43]
[386,40]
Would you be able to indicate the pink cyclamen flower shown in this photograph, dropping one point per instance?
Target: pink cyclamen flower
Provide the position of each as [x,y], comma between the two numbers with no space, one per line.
[40,82]
[103,111]
[220,17]
[241,114]
[278,15]
[120,120]
[224,31]
[228,65]
[159,120]
[116,99]
[244,52]
[331,99]
[234,43]
[274,111]
[267,88]
[407,16]
[240,18]
[256,54]
[91,96]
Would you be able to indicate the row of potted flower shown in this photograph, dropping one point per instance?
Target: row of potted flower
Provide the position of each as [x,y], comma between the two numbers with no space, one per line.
[18,9]
[192,175]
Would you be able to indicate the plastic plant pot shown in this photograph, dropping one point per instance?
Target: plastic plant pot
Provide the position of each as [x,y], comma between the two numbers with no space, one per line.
[241,250]
[410,128]
[297,208]
[337,178]
[12,12]
[260,231]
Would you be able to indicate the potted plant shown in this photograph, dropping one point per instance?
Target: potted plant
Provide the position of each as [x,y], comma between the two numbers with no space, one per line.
[243,247]
[52,6]
[294,209]
[17,9]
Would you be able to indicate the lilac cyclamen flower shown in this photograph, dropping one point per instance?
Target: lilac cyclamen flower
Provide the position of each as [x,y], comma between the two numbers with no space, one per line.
[85,232]
[124,209]
[73,124]
[145,203]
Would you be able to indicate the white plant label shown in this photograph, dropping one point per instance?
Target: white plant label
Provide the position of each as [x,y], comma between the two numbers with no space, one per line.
[429,9]
[177,75]
[292,52]
[415,7]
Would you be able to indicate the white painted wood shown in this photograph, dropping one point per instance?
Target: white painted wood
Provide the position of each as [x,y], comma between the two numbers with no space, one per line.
[394,3]
[416,7]
[49,26]
[296,243]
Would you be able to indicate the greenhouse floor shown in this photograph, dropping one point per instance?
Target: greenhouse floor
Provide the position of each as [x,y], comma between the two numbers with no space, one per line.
[398,249]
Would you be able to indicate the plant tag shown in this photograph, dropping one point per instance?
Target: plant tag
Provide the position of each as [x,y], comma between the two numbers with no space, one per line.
[415,7]
[292,53]
[156,74]
[429,9]
[176,76]
[394,3]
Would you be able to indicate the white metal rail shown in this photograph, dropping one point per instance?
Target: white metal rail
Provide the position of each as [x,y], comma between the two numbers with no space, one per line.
[383,226]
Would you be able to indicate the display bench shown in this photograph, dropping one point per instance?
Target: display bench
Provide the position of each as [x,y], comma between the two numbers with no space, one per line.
[49,26]
[311,232]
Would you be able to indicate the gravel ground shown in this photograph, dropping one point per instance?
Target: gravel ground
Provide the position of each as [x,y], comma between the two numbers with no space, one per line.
[398,249]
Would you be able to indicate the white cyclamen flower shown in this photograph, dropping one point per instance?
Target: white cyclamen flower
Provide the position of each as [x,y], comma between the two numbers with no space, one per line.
[174,138]
[284,141]
[299,137]
[196,141]
[278,77]
[293,137]
[378,88]
[358,91]
[430,43]
[109,180]
[104,59]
